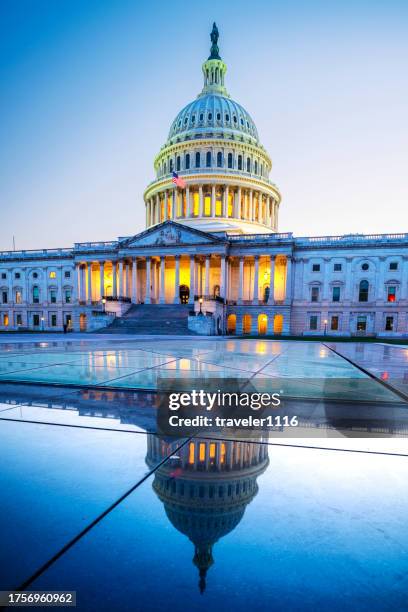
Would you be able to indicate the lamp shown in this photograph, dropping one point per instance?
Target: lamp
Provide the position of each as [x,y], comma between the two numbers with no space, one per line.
[200,301]
[325,326]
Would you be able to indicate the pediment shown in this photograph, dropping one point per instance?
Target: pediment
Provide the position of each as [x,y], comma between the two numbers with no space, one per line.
[170,233]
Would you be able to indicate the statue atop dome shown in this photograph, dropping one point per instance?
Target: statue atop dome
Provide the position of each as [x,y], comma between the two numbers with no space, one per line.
[214,51]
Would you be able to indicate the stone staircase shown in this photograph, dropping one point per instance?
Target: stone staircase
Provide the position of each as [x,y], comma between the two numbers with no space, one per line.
[152,319]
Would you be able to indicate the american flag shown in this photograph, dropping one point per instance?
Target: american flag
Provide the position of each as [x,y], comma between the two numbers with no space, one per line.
[178,181]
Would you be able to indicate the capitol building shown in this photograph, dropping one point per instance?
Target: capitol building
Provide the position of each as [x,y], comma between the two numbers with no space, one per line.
[211,259]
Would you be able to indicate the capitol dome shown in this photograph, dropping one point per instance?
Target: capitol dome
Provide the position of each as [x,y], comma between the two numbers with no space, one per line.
[212,115]
[213,146]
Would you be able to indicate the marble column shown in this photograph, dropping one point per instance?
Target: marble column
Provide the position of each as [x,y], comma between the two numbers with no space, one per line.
[192,281]
[207,276]
[251,205]
[241,280]
[162,295]
[134,281]
[157,211]
[213,201]
[189,212]
[288,290]
[201,200]
[225,201]
[78,282]
[89,282]
[120,274]
[174,204]
[166,208]
[239,215]
[222,283]
[176,297]
[260,219]
[236,208]
[148,281]
[114,279]
[102,278]
[271,299]
[256,281]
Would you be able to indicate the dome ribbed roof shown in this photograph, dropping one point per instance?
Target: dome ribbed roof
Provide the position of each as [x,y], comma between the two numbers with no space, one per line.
[211,116]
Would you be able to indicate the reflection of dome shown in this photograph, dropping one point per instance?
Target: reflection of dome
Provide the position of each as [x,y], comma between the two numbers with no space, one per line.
[213,115]
[206,488]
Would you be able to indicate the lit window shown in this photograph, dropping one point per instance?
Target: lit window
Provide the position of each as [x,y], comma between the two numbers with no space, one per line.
[313,323]
[336,294]
[391,294]
[5,320]
[389,323]
[334,323]
[53,275]
[18,297]
[361,323]
[316,268]
[315,294]
[394,265]
[201,451]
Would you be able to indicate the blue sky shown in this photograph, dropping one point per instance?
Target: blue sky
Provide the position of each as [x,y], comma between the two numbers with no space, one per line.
[88,90]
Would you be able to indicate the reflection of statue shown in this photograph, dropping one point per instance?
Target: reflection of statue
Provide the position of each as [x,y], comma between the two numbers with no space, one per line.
[205,489]
[214,52]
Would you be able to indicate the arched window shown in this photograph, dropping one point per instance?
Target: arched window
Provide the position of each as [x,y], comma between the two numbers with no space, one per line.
[219,159]
[187,164]
[248,165]
[256,167]
[363,291]
[198,160]
[239,162]
[171,165]
[229,160]
[36,295]
[208,159]
[178,163]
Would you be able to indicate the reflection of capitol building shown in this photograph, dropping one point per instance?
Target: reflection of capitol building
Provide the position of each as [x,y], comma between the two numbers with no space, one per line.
[212,247]
[205,488]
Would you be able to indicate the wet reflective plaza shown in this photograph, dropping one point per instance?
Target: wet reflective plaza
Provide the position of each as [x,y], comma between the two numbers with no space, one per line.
[94,500]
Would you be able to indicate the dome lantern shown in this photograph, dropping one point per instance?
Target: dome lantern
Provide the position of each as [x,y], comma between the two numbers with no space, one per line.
[214,69]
